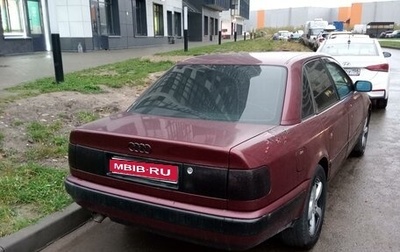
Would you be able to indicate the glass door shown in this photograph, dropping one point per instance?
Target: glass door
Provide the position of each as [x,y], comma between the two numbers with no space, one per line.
[94,16]
[98,13]
[36,25]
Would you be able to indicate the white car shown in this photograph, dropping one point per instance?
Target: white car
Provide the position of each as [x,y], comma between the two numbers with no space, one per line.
[335,34]
[283,35]
[363,59]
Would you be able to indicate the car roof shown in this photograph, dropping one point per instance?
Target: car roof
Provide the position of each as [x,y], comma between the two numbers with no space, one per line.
[353,39]
[349,36]
[252,58]
[340,32]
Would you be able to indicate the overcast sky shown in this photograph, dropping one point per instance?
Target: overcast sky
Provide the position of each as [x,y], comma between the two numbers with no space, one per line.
[277,4]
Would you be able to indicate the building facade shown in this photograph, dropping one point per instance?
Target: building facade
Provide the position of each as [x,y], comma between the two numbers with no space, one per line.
[85,25]
[23,26]
[357,13]
[203,18]
[233,20]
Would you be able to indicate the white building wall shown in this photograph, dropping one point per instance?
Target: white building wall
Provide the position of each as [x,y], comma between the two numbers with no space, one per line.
[73,18]
[251,23]
[225,21]
[277,18]
[294,17]
[169,5]
[381,12]
[299,16]
[210,14]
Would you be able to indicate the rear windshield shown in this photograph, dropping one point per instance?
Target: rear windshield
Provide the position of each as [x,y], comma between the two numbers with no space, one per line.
[350,48]
[233,93]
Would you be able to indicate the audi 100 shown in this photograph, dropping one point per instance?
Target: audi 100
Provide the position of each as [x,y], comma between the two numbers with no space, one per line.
[225,150]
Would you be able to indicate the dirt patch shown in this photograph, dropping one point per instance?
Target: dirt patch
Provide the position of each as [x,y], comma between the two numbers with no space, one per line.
[64,107]
[61,107]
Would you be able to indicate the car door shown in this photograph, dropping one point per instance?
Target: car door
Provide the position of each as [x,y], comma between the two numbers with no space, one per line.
[333,112]
[354,101]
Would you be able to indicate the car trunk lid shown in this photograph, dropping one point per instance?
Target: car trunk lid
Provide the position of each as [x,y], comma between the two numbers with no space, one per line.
[173,139]
[363,67]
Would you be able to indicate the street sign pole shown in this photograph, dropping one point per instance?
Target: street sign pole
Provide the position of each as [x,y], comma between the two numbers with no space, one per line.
[55,42]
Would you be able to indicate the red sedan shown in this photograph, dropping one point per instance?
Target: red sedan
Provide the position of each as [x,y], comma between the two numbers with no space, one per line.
[225,150]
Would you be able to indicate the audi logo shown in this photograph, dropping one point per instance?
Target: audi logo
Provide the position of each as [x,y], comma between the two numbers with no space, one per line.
[139,147]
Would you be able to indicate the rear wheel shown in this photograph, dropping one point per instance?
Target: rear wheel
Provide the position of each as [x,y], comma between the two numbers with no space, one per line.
[381,103]
[306,230]
[361,144]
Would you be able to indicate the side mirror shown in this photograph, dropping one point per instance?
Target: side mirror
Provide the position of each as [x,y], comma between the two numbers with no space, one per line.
[363,86]
[387,54]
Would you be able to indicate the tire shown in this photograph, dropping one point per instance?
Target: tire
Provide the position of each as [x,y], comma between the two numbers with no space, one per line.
[361,144]
[306,230]
[381,103]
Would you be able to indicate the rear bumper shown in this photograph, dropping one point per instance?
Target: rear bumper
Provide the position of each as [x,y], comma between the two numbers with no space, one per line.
[378,94]
[201,228]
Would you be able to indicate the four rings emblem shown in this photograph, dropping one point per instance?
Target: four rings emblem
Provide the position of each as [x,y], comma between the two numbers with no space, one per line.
[139,147]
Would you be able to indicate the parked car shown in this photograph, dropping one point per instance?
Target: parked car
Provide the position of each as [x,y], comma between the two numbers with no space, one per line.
[384,34]
[225,150]
[295,36]
[335,34]
[284,35]
[363,59]
[394,34]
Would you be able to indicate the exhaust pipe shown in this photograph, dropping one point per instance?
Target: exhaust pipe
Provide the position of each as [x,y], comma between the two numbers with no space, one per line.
[99,218]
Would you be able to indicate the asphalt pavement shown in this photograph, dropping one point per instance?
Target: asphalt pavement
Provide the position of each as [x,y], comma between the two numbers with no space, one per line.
[18,69]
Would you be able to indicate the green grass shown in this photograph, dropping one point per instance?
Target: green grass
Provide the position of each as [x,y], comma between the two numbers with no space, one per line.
[47,142]
[85,117]
[29,192]
[130,72]
[393,43]
[1,139]
[255,45]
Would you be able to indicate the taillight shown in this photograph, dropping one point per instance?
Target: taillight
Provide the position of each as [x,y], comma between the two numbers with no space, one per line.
[248,184]
[380,68]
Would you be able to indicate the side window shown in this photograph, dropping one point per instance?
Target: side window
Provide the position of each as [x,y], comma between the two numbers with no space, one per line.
[342,82]
[323,89]
[307,107]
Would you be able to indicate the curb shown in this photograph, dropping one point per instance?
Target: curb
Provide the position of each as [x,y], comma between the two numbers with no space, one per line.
[47,230]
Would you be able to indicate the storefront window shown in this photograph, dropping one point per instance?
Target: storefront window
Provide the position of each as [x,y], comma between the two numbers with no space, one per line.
[12,17]
[141,22]
[178,26]
[108,15]
[35,20]
[205,25]
[158,20]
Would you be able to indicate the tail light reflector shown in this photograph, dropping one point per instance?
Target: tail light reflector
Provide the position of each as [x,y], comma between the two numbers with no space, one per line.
[380,68]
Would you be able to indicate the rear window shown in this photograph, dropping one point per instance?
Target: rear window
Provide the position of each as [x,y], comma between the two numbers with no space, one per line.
[234,93]
[350,48]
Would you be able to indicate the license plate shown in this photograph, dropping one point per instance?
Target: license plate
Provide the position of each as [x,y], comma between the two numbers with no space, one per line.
[352,71]
[153,171]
